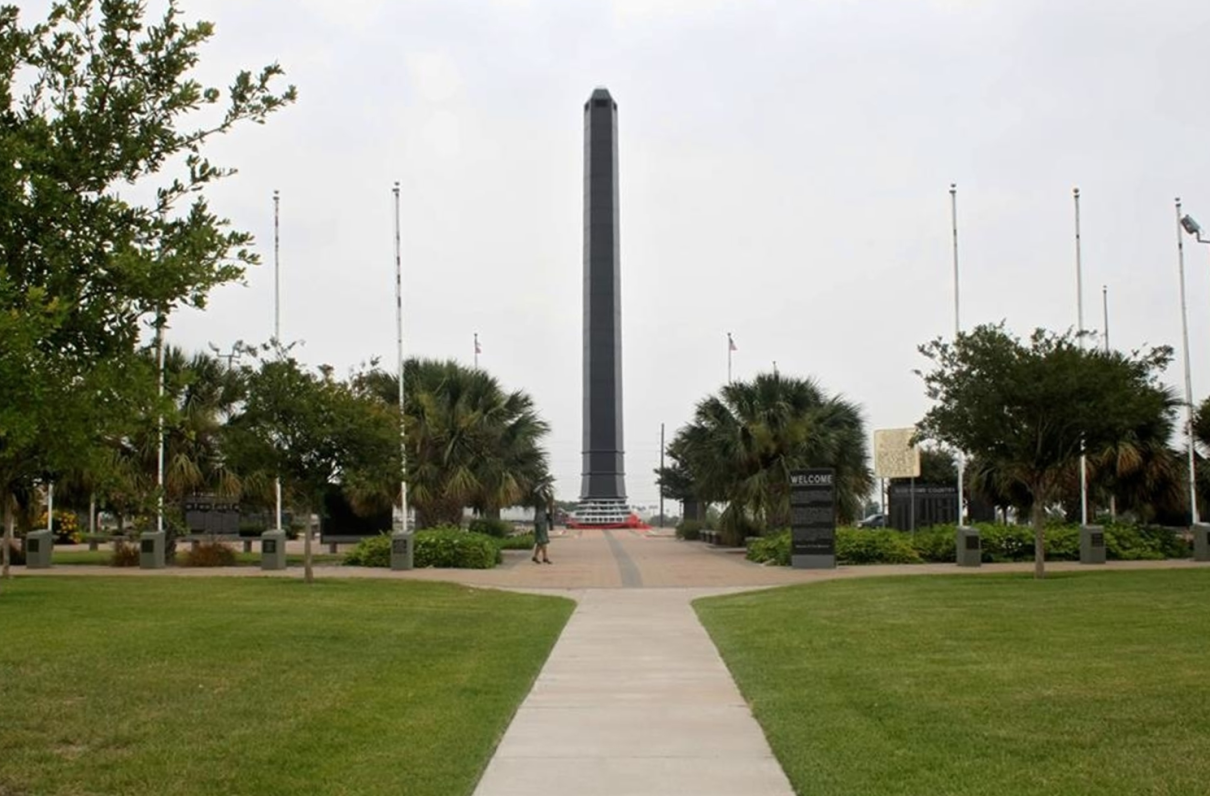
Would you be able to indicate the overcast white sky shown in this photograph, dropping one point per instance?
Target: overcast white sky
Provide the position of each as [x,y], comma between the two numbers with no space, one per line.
[784,176]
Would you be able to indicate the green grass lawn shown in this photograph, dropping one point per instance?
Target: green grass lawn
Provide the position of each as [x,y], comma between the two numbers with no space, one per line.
[260,686]
[1078,684]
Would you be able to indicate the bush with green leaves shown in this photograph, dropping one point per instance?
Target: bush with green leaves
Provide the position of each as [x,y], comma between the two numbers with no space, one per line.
[454,548]
[690,530]
[858,546]
[446,547]
[373,551]
[772,549]
[490,527]
[1001,544]
[522,541]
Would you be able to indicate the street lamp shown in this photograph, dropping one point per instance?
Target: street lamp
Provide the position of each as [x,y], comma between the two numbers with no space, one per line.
[1193,228]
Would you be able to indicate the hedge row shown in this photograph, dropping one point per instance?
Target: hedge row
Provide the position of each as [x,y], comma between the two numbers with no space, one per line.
[448,548]
[1001,543]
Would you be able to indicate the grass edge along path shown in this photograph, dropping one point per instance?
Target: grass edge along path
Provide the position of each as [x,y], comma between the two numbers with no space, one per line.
[1080,683]
[258,686]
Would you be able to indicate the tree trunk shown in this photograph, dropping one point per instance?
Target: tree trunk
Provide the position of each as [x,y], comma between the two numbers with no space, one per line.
[308,575]
[7,543]
[1039,512]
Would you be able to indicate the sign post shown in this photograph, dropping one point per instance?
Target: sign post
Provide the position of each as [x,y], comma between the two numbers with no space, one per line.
[813,519]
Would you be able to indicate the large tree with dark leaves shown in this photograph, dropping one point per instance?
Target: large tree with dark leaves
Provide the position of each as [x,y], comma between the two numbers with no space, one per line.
[104,221]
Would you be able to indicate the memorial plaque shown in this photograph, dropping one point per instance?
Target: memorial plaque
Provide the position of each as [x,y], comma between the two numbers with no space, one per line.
[33,546]
[147,546]
[399,547]
[268,547]
[972,543]
[1098,540]
[813,519]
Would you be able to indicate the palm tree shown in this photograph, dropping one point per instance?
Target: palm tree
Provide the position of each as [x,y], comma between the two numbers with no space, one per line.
[469,443]
[743,443]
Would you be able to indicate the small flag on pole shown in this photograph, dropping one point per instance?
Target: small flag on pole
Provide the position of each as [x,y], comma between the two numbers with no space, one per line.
[478,349]
[731,343]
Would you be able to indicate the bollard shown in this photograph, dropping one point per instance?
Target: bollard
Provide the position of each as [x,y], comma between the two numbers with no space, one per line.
[151,550]
[1092,544]
[969,547]
[39,545]
[273,550]
[401,550]
[1201,541]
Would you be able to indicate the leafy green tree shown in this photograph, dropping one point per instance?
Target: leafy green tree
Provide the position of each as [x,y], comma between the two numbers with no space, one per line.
[100,106]
[743,443]
[1026,411]
[310,430]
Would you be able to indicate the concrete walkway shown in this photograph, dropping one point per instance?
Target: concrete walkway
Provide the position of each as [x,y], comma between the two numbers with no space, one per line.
[634,700]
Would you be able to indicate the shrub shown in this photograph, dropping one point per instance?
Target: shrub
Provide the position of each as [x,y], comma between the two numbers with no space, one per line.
[209,554]
[125,554]
[690,530]
[454,548]
[861,546]
[935,545]
[772,549]
[490,527]
[523,541]
[67,526]
[1143,542]
[372,551]
[448,547]
[1001,543]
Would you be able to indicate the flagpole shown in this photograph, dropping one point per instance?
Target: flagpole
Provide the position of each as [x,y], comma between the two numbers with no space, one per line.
[403,453]
[1080,336]
[1113,499]
[1180,253]
[277,501]
[961,459]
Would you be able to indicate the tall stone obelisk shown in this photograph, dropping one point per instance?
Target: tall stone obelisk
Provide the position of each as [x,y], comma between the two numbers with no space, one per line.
[602,485]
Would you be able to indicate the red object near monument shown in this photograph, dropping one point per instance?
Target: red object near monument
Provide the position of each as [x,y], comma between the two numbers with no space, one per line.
[633,522]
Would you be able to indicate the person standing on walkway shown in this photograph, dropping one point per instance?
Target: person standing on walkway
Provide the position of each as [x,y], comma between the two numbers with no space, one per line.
[541,534]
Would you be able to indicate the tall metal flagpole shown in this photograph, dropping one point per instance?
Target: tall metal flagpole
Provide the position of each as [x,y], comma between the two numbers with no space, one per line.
[957,331]
[1080,321]
[403,454]
[1113,499]
[159,470]
[277,333]
[1180,253]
